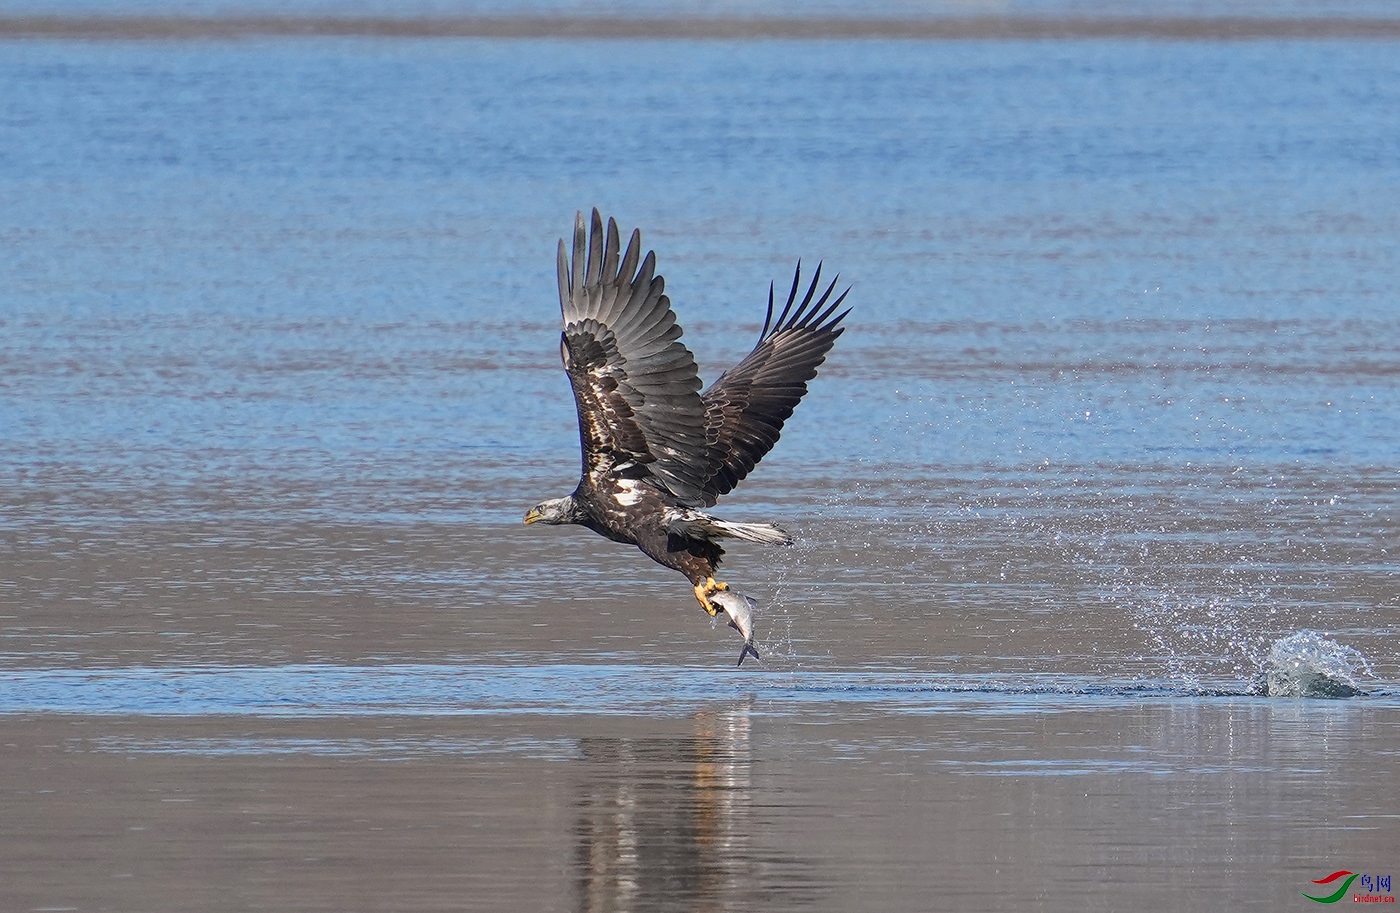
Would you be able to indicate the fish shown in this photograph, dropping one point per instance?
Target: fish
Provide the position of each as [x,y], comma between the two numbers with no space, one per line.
[740,610]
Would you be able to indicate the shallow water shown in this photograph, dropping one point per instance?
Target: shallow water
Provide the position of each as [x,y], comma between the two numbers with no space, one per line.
[1114,414]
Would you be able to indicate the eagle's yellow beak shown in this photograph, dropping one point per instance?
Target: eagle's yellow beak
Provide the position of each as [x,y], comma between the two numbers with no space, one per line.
[532,516]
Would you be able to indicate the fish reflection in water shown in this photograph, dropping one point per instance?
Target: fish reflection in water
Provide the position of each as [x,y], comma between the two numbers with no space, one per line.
[666,823]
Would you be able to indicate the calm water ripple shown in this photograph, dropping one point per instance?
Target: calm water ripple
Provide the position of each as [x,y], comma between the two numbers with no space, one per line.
[330,691]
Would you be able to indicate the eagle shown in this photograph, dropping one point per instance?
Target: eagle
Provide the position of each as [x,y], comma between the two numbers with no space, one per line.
[656,450]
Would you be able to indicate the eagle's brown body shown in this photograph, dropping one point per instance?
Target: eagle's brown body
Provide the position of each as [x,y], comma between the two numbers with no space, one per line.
[655,449]
[642,523]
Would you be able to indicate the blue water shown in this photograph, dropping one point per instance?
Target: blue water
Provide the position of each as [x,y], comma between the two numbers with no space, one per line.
[598,689]
[332,259]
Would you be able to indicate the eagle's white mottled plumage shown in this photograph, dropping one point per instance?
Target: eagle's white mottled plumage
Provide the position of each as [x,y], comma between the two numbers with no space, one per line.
[627,492]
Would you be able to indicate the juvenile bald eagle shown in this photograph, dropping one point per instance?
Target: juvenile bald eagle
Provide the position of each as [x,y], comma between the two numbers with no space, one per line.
[655,449]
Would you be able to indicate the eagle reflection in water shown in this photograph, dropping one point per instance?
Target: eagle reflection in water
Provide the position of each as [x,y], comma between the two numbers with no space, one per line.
[665,823]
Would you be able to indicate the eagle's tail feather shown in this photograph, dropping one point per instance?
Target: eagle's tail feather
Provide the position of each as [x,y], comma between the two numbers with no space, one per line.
[766,533]
[694,524]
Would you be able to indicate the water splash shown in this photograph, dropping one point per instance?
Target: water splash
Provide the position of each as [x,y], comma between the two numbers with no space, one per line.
[1306,664]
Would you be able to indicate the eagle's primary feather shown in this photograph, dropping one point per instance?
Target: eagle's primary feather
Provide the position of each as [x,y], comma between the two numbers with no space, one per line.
[655,448]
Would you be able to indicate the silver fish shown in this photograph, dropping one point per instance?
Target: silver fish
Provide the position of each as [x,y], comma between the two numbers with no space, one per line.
[740,609]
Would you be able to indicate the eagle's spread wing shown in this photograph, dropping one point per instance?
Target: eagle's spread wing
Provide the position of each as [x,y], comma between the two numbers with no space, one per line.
[745,409]
[636,386]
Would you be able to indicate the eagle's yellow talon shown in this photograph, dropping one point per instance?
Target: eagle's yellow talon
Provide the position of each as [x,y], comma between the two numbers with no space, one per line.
[703,592]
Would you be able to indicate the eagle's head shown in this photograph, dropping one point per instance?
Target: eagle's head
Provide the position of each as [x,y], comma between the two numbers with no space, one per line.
[555,512]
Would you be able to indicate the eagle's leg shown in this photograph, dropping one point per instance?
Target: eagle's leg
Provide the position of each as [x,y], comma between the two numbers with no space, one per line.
[703,592]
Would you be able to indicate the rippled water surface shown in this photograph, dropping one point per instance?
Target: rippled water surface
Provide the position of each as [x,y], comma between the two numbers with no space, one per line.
[1114,416]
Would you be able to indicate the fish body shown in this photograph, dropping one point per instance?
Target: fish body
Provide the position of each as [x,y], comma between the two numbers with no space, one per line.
[740,610]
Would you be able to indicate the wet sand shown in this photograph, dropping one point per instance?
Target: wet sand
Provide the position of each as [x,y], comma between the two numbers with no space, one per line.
[1188,804]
